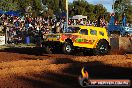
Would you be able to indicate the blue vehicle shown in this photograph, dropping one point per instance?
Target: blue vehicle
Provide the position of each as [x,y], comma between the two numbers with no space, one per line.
[122,29]
[127,31]
[119,29]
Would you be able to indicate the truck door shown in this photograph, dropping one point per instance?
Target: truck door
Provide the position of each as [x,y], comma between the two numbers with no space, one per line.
[81,41]
[85,39]
[93,37]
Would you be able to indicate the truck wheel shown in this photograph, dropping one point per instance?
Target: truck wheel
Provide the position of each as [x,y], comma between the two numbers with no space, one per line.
[49,49]
[67,48]
[102,48]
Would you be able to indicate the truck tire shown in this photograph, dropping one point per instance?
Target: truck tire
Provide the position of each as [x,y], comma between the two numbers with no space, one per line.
[49,49]
[67,48]
[102,48]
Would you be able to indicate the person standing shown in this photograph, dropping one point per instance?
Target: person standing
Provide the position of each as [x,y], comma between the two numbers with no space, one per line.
[58,27]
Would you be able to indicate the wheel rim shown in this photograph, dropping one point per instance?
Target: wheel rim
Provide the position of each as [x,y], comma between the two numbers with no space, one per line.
[103,48]
[68,48]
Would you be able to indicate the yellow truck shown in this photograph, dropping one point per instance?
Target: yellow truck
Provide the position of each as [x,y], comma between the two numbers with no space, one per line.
[83,38]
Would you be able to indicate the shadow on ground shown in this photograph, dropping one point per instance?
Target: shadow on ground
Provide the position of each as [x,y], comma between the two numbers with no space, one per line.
[38,51]
[68,77]
[27,50]
[41,52]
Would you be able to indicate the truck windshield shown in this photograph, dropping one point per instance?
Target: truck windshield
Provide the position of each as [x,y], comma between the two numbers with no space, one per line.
[72,29]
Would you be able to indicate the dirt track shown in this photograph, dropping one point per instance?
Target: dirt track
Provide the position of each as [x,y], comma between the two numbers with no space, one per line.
[23,68]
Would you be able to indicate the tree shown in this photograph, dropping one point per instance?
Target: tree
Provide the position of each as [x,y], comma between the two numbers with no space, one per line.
[7,5]
[56,5]
[121,7]
[82,7]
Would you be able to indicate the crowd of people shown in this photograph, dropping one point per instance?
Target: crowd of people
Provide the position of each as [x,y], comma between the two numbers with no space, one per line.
[100,23]
[17,29]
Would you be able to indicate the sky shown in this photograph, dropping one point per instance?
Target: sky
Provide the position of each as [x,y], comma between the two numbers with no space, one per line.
[106,3]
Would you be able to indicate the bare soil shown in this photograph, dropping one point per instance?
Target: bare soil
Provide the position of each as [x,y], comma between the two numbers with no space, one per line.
[26,68]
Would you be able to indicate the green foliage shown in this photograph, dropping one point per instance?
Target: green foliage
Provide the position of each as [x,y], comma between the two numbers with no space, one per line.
[123,6]
[82,7]
[9,5]
[56,5]
[20,5]
[78,7]
[129,14]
